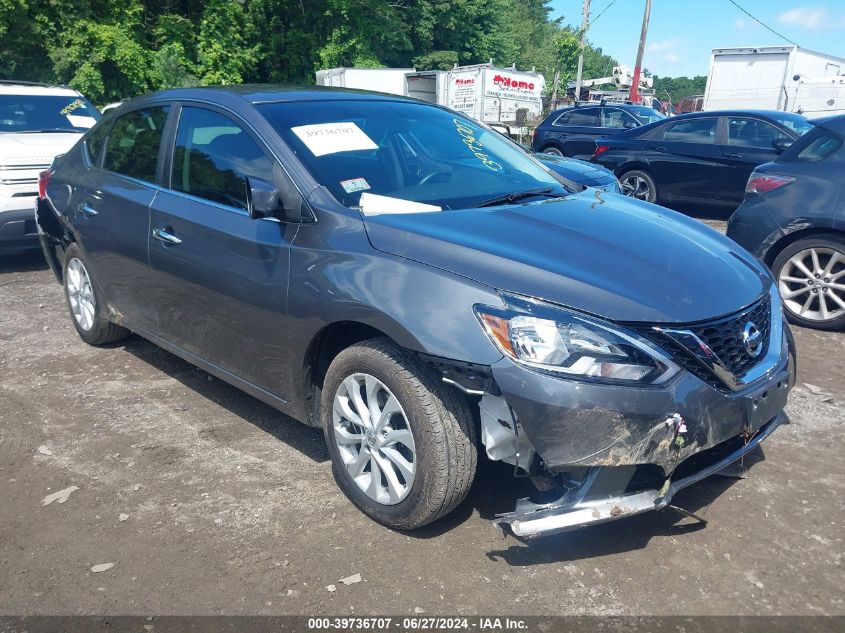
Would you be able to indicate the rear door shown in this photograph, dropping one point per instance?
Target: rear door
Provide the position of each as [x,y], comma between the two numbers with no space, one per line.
[110,210]
[221,275]
[683,160]
[745,142]
[583,127]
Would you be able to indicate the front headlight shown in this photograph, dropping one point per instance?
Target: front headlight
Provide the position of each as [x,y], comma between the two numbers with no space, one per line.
[551,338]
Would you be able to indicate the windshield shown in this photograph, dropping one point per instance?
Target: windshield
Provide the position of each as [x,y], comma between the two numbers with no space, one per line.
[414,152]
[794,122]
[50,113]
[646,114]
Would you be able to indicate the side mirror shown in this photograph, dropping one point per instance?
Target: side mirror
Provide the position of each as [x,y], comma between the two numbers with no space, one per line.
[263,198]
[629,125]
[781,144]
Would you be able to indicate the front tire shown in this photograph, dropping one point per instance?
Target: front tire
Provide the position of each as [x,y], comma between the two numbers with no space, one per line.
[402,444]
[811,281]
[638,184]
[87,310]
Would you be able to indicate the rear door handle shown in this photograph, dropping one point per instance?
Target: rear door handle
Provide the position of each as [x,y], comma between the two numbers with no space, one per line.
[162,235]
[732,155]
[86,209]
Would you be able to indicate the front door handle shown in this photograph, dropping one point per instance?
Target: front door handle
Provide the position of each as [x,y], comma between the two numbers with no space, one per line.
[86,209]
[732,155]
[162,235]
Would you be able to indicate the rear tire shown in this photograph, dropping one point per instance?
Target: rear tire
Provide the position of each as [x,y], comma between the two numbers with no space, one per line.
[87,309]
[425,453]
[638,184]
[813,300]
[552,150]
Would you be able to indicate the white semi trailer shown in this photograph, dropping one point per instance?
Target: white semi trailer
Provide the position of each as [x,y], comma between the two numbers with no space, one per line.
[787,78]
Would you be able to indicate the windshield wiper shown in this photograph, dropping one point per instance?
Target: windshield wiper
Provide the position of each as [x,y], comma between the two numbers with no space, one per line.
[510,198]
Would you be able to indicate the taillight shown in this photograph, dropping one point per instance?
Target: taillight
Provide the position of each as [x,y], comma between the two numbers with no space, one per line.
[43,181]
[600,149]
[760,183]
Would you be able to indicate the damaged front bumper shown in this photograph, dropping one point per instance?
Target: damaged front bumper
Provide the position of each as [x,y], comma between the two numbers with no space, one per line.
[601,494]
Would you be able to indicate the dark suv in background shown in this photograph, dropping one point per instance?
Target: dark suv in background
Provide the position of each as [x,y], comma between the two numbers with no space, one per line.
[573,131]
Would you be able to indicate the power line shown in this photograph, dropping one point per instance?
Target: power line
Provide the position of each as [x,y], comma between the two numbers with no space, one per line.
[601,13]
[761,23]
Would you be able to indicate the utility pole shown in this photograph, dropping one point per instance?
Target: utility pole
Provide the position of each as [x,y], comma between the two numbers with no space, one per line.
[585,22]
[635,84]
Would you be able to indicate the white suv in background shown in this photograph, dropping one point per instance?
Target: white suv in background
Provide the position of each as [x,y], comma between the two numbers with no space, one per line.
[37,122]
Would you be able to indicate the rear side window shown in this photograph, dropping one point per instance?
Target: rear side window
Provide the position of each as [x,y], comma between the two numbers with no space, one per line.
[815,146]
[132,147]
[94,143]
[701,131]
[214,156]
[584,117]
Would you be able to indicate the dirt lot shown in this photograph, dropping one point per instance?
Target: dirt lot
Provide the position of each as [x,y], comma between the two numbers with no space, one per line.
[206,501]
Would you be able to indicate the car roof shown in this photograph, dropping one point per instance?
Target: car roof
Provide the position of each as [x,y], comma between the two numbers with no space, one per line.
[13,87]
[834,123]
[272,93]
[760,113]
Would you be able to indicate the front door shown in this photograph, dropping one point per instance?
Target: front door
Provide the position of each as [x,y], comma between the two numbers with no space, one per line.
[222,276]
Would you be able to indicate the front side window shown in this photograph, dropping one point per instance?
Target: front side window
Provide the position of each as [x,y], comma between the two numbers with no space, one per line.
[214,156]
[644,114]
[411,151]
[743,132]
[615,118]
[133,144]
[794,122]
[701,131]
[46,113]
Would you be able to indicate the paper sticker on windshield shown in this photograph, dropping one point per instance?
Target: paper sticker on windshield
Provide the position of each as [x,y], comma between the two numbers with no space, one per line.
[355,184]
[330,138]
[80,121]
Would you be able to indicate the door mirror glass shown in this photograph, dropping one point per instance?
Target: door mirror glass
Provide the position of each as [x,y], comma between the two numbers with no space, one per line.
[263,199]
[781,144]
[629,125]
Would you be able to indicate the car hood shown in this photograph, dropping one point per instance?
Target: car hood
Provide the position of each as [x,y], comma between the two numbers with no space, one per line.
[580,171]
[607,255]
[18,148]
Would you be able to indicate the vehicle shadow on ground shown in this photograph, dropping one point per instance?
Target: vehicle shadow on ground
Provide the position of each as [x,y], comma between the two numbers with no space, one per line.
[305,439]
[22,262]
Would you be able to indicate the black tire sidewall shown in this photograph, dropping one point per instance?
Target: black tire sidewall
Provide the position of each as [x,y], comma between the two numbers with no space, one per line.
[363,359]
[652,187]
[820,241]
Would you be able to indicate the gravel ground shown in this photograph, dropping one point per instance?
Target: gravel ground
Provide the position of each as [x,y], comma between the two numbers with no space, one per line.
[202,500]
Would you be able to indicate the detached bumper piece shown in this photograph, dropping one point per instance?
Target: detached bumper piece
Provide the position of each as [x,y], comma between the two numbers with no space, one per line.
[604,493]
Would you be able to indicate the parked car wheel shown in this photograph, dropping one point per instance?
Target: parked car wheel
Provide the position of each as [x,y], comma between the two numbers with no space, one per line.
[554,151]
[638,184]
[86,310]
[402,444]
[811,280]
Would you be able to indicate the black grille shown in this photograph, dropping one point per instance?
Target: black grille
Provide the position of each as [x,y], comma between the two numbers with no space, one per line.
[724,337]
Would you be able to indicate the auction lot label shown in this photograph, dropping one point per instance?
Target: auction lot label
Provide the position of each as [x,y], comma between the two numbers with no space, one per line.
[331,138]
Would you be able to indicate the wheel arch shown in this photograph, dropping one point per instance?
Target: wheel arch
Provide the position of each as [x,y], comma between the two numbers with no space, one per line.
[790,238]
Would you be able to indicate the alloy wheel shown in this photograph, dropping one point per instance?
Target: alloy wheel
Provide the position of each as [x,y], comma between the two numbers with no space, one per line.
[636,187]
[80,294]
[374,439]
[553,151]
[812,284]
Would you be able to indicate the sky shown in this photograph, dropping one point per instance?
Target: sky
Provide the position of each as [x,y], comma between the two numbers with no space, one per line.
[681,33]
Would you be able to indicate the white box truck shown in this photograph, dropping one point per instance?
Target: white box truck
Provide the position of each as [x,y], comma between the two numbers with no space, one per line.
[389,80]
[484,92]
[770,78]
